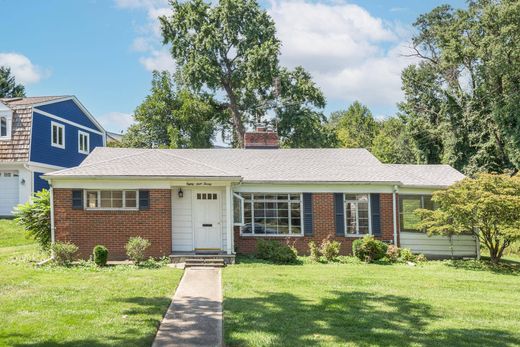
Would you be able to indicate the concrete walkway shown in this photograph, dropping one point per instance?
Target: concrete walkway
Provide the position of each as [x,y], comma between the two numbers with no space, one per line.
[194,317]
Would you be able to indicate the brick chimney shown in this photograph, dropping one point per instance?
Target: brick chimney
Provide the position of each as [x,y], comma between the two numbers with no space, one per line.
[264,137]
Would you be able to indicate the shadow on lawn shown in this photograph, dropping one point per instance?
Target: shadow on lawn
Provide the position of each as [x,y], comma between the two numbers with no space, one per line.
[348,318]
[155,306]
[505,267]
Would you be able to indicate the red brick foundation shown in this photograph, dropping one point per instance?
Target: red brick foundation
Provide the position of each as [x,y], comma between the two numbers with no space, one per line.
[113,228]
[323,227]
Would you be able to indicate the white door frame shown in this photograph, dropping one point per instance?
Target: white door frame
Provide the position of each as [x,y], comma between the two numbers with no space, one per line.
[221,193]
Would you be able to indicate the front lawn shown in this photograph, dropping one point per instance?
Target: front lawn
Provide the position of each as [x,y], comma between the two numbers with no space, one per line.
[77,306]
[437,304]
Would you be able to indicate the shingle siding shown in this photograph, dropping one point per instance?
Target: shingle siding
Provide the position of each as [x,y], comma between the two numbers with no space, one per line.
[17,148]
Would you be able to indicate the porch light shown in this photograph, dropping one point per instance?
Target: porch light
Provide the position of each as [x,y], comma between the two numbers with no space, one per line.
[180,193]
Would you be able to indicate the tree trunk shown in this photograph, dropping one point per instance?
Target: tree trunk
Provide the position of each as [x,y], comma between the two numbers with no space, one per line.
[236,119]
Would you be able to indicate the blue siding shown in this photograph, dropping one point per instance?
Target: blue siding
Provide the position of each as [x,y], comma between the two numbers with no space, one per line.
[70,111]
[39,183]
[43,152]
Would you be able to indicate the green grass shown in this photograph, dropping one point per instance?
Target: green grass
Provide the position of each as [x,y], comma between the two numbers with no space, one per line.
[459,303]
[77,306]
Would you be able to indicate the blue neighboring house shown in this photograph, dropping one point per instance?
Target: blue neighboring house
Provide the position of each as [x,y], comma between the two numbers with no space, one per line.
[39,135]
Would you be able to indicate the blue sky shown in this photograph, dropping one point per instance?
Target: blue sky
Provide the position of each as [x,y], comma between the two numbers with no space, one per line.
[103,51]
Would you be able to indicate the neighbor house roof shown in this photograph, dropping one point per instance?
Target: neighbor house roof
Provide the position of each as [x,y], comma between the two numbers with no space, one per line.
[254,165]
[30,101]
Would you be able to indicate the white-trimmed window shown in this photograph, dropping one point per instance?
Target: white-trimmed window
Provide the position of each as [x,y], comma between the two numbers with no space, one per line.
[57,135]
[271,214]
[3,126]
[357,214]
[111,199]
[238,209]
[407,206]
[83,142]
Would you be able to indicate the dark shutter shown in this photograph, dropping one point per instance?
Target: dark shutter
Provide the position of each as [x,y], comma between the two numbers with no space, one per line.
[375,211]
[144,199]
[339,213]
[77,199]
[307,214]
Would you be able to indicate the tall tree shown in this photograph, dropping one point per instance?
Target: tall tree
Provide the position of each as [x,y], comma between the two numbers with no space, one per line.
[8,86]
[393,143]
[463,99]
[173,118]
[355,127]
[229,50]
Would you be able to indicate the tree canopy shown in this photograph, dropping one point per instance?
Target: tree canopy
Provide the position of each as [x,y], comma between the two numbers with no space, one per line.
[229,51]
[463,100]
[8,86]
[355,127]
[486,206]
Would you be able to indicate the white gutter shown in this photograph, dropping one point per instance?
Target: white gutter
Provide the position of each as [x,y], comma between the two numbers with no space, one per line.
[394,212]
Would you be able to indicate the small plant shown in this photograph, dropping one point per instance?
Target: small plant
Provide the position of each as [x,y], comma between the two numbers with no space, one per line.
[100,255]
[330,249]
[369,249]
[407,255]
[136,248]
[420,258]
[314,251]
[276,252]
[392,253]
[64,252]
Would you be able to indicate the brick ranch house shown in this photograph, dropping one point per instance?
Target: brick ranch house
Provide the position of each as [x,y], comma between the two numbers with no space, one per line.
[224,200]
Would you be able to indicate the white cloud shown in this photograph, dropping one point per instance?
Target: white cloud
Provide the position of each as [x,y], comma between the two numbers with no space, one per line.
[158,60]
[116,121]
[22,68]
[350,53]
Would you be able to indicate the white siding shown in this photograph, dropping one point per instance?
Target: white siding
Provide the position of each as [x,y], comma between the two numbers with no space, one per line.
[436,245]
[182,230]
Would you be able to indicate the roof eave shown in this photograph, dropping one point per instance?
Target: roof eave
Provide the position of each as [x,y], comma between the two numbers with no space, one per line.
[49,177]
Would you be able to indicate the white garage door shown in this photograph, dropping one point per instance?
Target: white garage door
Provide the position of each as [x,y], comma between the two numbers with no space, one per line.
[440,246]
[8,192]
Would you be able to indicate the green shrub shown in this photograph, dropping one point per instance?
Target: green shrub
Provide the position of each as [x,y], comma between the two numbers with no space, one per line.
[392,253]
[330,249]
[314,251]
[276,252]
[100,254]
[369,249]
[407,255]
[35,217]
[63,252]
[136,248]
[420,258]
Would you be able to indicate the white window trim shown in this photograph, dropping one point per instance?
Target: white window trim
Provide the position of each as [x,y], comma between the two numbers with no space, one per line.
[252,234]
[357,234]
[241,199]
[58,125]
[98,193]
[87,135]
[8,126]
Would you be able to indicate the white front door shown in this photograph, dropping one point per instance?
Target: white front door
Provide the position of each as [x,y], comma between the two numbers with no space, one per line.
[206,220]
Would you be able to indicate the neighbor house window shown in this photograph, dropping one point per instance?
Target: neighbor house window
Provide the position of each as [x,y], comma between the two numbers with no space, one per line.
[407,206]
[111,199]
[83,142]
[57,135]
[271,214]
[357,212]
[3,126]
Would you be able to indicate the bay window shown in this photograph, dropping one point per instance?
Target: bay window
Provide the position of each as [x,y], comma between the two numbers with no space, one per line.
[357,214]
[271,214]
[407,206]
[111,199]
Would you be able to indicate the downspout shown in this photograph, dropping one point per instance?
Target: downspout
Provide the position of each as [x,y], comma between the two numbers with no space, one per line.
[394,212]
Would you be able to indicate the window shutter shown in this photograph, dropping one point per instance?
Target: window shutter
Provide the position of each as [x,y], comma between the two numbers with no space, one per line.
[144,199]
[339,212]
[375,211]
[77,199]
[307,214]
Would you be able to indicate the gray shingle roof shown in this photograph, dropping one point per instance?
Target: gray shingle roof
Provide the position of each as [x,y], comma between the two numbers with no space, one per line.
[279,165]
[29,101]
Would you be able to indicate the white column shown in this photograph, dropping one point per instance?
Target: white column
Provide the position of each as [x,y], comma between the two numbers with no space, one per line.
[229,224]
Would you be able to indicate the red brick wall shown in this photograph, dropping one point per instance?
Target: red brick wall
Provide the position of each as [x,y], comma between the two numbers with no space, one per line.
[323,226]
[113,228]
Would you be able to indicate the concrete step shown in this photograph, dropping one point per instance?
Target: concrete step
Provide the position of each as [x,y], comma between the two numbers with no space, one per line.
[205,262]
